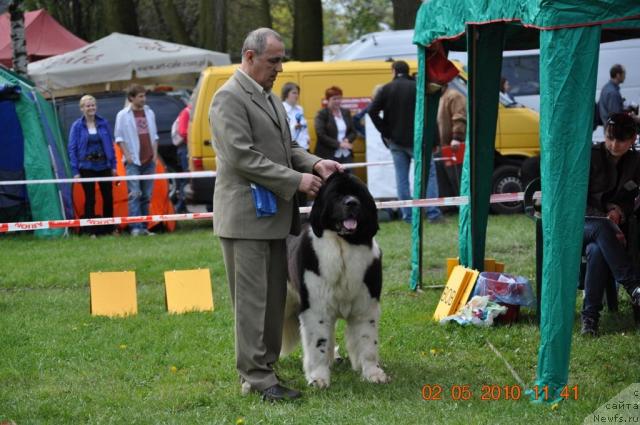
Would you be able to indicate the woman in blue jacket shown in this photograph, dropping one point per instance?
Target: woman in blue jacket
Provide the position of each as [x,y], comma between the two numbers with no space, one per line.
[91,154]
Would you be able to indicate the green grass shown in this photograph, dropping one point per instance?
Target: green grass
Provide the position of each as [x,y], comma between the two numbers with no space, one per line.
[60,365]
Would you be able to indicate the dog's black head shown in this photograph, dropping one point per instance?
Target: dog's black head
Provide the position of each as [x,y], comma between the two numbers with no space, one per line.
[345,205]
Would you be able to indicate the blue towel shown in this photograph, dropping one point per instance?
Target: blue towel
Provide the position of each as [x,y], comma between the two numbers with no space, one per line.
[264,201]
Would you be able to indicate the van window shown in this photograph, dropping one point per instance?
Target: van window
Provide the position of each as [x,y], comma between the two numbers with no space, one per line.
[523,73]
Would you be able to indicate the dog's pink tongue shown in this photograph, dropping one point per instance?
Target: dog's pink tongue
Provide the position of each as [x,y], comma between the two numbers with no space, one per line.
[350,224]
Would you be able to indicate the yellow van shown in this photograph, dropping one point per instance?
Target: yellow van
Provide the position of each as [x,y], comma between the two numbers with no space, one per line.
[516,138]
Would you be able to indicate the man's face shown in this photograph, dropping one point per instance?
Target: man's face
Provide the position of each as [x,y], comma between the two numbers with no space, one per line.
[138,101]
[264,68]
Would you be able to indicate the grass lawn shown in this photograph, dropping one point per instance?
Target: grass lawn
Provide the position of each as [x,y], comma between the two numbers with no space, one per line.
[62,366]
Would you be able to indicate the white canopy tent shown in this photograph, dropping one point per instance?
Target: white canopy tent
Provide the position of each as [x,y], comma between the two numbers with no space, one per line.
[121,58]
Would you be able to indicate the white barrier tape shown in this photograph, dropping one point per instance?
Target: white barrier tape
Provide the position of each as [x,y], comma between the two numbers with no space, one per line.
[160,176]
[56,224]
[367,164]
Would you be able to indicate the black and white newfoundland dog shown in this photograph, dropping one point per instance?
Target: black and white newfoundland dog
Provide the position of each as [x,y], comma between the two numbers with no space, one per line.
[335,271]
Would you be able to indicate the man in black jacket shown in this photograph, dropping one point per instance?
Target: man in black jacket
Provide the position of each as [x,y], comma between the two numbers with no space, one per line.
[397,101]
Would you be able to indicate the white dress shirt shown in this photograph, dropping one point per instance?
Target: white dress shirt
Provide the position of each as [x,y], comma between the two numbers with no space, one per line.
[126,132]
[299,135]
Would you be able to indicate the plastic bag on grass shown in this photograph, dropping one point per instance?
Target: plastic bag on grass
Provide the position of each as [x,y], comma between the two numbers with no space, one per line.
[505,288]
[479,311]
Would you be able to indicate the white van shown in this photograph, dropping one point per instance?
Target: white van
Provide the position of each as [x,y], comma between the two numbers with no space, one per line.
[520,67]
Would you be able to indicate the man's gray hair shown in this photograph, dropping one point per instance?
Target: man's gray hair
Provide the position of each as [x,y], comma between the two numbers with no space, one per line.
[257,40]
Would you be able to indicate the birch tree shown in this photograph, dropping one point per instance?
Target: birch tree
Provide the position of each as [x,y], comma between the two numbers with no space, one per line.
[18,40]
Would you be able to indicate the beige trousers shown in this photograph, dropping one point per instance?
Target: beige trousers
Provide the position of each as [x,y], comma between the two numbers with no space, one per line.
[257,276]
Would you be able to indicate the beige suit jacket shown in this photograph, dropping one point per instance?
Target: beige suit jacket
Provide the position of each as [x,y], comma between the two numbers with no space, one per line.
[253,145]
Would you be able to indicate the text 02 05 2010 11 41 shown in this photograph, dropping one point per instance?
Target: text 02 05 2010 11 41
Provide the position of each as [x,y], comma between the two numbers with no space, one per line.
[491,392]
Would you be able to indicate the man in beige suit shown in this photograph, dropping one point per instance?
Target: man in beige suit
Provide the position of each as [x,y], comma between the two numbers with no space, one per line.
[253,147]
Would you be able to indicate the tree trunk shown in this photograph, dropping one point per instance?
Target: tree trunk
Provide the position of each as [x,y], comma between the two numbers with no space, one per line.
[213,25]
[404,13]
[245,16]
[121,16]
[169,14]
[18,41]
[265,11]
[307,30]
[76,19]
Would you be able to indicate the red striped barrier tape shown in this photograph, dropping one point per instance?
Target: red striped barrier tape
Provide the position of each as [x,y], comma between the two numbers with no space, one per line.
[54,224]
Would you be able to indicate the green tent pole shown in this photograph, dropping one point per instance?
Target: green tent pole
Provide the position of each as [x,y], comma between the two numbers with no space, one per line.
[568,68]
[484,44]
[424,140]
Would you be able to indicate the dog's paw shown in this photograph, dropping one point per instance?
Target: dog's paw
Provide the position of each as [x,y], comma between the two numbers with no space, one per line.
[319,379]
[337,358]
[376,376]
[319,383]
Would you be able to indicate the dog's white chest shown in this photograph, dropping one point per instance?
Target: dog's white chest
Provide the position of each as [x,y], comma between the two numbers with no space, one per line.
[342,269]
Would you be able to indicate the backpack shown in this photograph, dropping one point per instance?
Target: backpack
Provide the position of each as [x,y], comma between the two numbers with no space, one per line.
[176,138]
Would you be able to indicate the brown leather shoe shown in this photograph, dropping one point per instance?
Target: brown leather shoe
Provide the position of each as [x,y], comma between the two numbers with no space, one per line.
[279,393]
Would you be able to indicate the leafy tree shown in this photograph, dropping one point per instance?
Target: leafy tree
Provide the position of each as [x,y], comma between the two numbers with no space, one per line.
[244,16]
[121,16]
[168,14]
[282,20]
[357,17]
[84,18]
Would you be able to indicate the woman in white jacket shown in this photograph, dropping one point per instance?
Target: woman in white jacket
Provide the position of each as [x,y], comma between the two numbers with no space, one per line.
[295,114]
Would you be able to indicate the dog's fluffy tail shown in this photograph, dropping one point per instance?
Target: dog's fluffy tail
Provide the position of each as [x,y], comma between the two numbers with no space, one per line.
[291,326]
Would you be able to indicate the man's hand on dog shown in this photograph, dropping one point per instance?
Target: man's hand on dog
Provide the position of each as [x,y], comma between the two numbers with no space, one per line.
[326,167]
[310,184]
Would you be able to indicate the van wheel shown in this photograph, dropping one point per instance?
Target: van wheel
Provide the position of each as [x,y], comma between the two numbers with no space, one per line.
[506,179]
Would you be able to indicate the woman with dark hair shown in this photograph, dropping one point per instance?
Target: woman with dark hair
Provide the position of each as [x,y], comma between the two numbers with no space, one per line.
[505,89]
[614,176]
[334,129]
[295,113]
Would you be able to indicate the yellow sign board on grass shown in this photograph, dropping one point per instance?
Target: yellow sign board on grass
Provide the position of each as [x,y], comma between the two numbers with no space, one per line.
[188,290]
[456,292]
[113,293]
[490,265]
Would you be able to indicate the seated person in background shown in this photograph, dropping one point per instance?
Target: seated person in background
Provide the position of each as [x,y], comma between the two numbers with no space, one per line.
[505,89]
[614,176]
[334,129]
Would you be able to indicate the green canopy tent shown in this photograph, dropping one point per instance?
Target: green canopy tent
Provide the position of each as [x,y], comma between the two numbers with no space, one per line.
[568,34]
[32,148]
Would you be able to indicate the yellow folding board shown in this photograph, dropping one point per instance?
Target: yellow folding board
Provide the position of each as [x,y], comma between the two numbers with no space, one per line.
[188,290]
[113,293]
[471,282]
[451,263]
[452,292]
[489,265]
